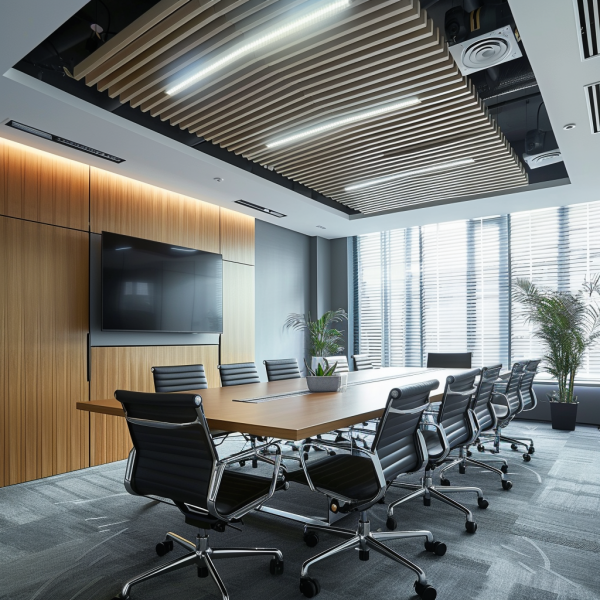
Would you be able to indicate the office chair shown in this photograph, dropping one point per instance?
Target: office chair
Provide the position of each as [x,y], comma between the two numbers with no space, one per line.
[456,360]
[342,363]
[284,368]
[238,374]
[485,421]
[357,480]
[508,402]
[452,427]
[362,362]
[174,457]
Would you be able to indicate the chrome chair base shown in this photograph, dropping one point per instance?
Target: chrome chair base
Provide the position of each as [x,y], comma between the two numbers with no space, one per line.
[497,438]
[202,556]
[463,459]
[427,490]
[364,540]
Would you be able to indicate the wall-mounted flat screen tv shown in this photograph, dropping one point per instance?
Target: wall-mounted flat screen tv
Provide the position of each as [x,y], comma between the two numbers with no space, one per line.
[150,286]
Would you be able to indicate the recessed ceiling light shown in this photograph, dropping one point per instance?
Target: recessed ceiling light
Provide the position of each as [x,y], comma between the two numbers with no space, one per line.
[431,169]
[335,123]
[218,179]
[321,227]
[569,126]
[268,37]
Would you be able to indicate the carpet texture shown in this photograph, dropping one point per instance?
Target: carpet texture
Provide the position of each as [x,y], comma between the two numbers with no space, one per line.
[80,536]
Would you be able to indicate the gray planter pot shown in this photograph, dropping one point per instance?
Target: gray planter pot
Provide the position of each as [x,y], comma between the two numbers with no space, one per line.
[323,384]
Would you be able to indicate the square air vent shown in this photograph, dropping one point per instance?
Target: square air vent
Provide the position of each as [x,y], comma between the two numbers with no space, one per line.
[587,14]
[592,93]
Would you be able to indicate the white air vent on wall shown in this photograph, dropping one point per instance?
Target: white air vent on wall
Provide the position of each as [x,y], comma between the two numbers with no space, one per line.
[592,93]
[587,14]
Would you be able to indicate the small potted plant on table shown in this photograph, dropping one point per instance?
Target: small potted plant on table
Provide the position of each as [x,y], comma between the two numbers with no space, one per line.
[322,379]
[568,325]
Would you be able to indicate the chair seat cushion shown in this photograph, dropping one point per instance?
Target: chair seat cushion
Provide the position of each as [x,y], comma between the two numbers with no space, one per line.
[344,474]
[500,410]
[239,489]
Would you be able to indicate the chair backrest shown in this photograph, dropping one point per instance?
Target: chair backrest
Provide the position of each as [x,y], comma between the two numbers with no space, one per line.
[398,441]
[481,405]
[174,452]
[528,397]
[342,363]
[284,368]
[455,406]
[511,391]
[452,360]
[238,374]
[362,362]
[183,378]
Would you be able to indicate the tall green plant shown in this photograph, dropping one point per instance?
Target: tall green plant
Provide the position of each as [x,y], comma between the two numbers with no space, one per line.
[568,324]
[324,340]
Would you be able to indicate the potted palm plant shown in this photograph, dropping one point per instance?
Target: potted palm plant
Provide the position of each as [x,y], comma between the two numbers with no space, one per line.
[568,324]
[323,338]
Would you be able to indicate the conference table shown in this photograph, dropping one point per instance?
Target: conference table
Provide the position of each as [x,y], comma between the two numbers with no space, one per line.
[286,410]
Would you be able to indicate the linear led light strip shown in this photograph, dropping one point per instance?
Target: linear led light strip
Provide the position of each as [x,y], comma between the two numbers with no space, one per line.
[439,167]
[270,36]
[369,114]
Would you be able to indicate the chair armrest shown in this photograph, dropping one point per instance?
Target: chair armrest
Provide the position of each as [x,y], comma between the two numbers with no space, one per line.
[215,482]
[431,426]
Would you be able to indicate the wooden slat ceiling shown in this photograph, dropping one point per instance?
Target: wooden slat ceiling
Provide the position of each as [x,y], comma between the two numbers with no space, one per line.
[372,53]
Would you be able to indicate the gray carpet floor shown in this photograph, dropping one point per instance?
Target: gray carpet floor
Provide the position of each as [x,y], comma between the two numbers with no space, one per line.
[79,536]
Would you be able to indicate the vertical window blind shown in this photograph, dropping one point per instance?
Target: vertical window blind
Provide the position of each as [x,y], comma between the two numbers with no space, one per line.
[446,287]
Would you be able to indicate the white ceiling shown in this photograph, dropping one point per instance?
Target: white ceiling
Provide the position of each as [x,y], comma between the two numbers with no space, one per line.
[551,44]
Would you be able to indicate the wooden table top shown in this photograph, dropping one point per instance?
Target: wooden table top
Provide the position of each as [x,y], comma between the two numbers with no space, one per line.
[301,416]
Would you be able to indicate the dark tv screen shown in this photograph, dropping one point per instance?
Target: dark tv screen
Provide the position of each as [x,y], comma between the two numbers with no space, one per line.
[150,286]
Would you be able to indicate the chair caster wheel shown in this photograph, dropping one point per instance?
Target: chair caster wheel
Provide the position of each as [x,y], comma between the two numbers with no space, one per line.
[471,526]
[242,463]
[163,547]
[469,453]
[480,448]
[462,469]
[202,572]
[482,503]
[363,555]
[306,456]
[309,587]
[531,450]
[311,539]
[438,548]
[445,482]
[514,447]
[331,452]
[427,592]
[381,500]
[391,523]
[527,457]
[504,469]
[254,463]
[426,501]
[276,566]
[506,485]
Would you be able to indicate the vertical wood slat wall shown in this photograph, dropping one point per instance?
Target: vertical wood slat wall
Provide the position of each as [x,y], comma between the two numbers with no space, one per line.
[45,221]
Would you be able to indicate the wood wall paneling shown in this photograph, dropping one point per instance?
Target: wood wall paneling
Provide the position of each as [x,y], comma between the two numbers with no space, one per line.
[43,327]
[237,341]
[123,205]
[38,186]
[128,368]
[237,237]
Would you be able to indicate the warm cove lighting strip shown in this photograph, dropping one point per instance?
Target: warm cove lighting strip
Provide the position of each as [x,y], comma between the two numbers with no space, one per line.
[271,35]
[362,116]
[432,169]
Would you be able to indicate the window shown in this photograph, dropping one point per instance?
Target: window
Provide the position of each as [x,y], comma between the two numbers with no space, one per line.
[446,287]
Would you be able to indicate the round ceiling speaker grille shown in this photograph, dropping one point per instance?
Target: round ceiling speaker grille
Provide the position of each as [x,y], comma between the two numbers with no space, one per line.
[486,53]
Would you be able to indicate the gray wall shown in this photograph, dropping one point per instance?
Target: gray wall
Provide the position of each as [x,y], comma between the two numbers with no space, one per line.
[320,273]
[283,286]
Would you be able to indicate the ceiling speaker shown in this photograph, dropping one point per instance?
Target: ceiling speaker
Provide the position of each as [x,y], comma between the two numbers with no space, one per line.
[535,161]
[487,50]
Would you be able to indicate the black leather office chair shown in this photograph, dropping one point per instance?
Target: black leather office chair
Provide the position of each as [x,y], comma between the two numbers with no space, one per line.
[454,360]
[449,426]
[284,368]
[238,374]
[357,480]
[174,457]
[342,363]
[362,362]
[183,378]
[485,421]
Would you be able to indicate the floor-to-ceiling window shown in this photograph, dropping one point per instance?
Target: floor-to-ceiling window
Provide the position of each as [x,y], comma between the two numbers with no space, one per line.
[447,287]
